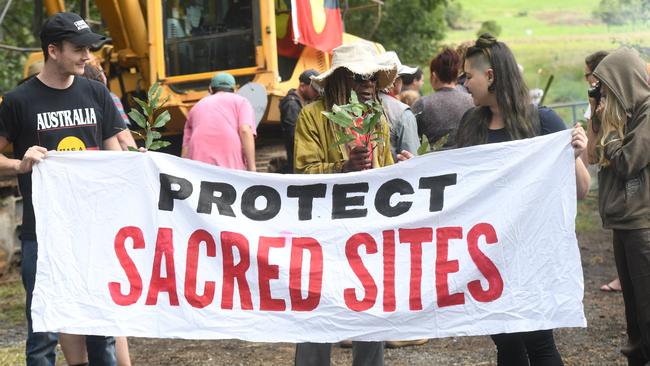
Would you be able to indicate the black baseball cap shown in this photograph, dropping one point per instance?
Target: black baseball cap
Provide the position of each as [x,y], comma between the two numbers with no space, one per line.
[70,27]
[305,76]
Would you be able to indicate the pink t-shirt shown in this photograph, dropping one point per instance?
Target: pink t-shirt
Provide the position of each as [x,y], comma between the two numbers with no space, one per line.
[212,129]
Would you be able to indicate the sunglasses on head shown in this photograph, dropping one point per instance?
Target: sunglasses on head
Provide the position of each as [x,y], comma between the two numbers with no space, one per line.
[358,78]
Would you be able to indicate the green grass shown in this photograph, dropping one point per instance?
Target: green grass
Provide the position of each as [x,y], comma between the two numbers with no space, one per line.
[12,314]
[549,37]
[12,302]
[588,218]
[12,355]
[521,19]
[15,355]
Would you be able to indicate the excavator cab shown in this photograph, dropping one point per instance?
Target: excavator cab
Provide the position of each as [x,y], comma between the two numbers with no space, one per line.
[215,35]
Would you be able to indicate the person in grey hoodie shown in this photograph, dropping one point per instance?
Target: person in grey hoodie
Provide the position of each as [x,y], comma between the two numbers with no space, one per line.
[622,131]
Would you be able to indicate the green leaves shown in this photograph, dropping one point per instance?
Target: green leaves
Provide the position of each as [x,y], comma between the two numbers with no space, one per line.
[149,119]
[356,119]
[146,109]
[162,119]
[157,145]
[426,146]
[138,118]
[340,118]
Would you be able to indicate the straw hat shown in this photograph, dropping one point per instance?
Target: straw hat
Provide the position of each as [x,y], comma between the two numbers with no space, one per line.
[359,58]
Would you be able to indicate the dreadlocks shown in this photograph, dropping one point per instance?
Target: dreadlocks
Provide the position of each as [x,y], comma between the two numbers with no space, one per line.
[337,89]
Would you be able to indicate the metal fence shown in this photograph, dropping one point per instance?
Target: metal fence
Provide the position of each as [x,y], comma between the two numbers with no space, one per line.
[570,112]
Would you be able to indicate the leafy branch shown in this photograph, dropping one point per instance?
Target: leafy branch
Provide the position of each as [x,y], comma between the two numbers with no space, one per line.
[358,121]
[149,119]
[426,146]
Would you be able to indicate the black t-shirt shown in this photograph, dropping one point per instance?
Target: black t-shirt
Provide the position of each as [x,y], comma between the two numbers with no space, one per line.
[78,118]
[549,121]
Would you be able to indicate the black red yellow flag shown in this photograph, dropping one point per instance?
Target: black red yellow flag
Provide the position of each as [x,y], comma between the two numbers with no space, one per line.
[317,23]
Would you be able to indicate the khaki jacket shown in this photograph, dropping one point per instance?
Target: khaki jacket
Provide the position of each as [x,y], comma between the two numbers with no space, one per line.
[315,151]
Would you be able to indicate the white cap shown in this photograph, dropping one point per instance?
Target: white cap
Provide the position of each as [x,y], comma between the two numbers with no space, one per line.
[391,57]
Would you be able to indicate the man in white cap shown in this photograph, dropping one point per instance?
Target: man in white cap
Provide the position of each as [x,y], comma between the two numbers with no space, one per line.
[403,125]
[354,67]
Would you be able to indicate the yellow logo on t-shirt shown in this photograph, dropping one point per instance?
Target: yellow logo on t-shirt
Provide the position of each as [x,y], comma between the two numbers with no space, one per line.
[71,143]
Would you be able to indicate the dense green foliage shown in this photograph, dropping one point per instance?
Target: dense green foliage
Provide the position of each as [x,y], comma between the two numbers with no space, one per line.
[16,30]
[620,12]
[455,16]
[412,28]
[19,30]
[489,26]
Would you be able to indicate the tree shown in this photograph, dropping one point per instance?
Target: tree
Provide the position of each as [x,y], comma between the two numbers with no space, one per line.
[455,16]
[412,28]
[15,31]
[620,12]
[489,26]
[21,28]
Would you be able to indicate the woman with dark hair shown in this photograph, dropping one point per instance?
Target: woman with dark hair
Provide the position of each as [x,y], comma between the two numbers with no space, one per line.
[438,114]
[621,125]
[504,112]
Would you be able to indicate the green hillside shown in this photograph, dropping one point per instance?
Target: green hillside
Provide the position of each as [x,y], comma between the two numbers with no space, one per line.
[549,37]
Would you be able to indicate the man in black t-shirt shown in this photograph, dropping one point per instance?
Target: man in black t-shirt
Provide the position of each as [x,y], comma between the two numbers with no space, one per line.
[56,110]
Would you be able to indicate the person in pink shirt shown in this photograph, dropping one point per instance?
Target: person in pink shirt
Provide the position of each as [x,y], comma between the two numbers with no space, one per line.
[220,128]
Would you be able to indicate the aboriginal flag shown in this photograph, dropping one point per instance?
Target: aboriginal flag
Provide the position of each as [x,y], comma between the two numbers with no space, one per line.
[317,23]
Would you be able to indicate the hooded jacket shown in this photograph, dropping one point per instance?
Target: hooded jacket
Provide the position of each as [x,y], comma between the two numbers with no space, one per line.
[624,185]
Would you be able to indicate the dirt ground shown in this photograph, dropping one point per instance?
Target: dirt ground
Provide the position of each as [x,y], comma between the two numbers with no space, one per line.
[598,344]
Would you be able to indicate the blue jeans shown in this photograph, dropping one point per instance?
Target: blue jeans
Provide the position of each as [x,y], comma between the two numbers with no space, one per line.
[40,347]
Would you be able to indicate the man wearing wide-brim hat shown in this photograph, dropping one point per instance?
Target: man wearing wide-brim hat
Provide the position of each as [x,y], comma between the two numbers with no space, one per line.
[354,67]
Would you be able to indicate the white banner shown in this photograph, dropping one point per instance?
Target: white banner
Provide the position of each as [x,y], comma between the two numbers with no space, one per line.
[464,242]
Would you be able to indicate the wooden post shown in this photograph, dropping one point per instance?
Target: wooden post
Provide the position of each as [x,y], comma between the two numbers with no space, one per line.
[37,18]
[84,9]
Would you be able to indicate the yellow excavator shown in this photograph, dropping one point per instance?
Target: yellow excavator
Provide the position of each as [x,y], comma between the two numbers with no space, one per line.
[181,44]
